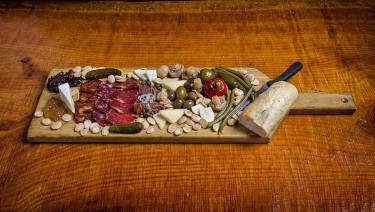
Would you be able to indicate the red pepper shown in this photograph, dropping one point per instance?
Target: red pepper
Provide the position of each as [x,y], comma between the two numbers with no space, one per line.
[215,87]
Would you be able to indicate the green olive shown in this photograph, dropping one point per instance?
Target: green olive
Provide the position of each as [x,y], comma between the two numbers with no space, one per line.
[207,74]
[188,104]
[181,92]
[193,96]
[171,95]
[178,103]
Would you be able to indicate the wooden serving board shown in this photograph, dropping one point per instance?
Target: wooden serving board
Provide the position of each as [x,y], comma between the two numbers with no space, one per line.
[306,103]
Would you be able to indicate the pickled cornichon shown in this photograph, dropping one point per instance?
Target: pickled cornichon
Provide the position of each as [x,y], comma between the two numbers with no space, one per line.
[134,127]
[102,73]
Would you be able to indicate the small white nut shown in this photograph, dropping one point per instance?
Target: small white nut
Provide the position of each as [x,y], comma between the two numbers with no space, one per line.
[87,69]
[66,117]
[206,101]
[75,94]
[203,123]
[79,127]
[38,113]
[145,125]
[231,122]
[111,79]
[77,74]
[95,124]
[197,126]
[105,131]
[195,118]
[189,122]
[239,113]
[56,125]
[135,77]
[83,75]
[178,131]
[255,82]
[235,117]
[140,120]
[243,71]
[129,75]
[84,132]
[95,130]
[236,102]
[168,106]
[215,127]
[251,77]
[87,123]
[120,78]
[150,130]
[238,92]
[158,81]
[151,120]
[46,121]
[186,128]
[182,120]
[172,128]
[164,96]
[77,69]
[188,113]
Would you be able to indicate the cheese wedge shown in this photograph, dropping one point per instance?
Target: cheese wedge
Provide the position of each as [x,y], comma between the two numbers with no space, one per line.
[173,85]
[66,96]
[151,75]
[141,73]
[173,115]
[159,120]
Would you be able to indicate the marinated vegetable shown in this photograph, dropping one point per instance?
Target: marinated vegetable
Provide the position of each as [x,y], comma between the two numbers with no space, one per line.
[102,73]
[207,74]
[134,127]
[215,87]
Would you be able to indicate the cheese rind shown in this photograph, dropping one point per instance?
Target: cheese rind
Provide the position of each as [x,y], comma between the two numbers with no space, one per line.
[66,96]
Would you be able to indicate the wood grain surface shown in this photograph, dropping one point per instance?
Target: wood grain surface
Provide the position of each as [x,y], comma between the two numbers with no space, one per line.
[315,162]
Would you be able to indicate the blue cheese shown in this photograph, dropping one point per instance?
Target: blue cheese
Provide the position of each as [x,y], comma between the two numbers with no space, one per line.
[66,96]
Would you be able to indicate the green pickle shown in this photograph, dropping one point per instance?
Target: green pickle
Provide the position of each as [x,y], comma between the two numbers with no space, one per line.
[134,127]
[102,73]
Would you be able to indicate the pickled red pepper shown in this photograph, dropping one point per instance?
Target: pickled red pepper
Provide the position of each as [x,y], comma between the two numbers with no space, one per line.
[215,87]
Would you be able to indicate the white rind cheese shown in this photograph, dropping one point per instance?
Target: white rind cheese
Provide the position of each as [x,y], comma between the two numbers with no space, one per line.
[66,96]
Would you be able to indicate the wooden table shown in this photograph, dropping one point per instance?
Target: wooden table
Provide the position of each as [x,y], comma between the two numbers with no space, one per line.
[313,163]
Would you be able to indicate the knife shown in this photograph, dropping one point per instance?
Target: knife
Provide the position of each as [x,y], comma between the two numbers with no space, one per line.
[291,71]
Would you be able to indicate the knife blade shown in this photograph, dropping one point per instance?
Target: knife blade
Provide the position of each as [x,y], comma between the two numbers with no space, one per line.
[291,71]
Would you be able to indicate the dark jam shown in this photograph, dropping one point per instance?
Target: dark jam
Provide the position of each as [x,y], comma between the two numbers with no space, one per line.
[55,108]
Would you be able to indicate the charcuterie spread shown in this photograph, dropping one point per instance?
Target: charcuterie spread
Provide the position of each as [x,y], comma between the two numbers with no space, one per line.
[173,99]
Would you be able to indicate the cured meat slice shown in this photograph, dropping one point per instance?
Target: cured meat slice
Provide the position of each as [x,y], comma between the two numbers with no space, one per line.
[140,107]
[105,90]
[81,117]
[129,84]
[90,86]
[143,89]
[125,96]
[121,107]
[84,107]
[102,105]
[87,97]
[115,117]
[100,118]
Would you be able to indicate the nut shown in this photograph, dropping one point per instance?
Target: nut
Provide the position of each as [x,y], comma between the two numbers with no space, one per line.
[182,120]
[150,130]
[255,82]
[105,131]
[84,132]
[87,123]
[77,69]
[140,120]
[195,118]
[238,92]
[188,113]
[215,127]
[95,124]
[95,130]
[172,128]
[87,69]
[197,126]
[197,84]
[235,117]
[75,94]
[38,113]
[135,77]
[203,123]
[111,79]
[243,71]
[120,78]
[129,75]
[151,120]
[251,77]
[189,122]
[145,124]
[77,74]
[178,131]
[46,121]
[66,117]
[79,127]
[164,96]
[158,81]
[186,128]
[231,122]
[56,125]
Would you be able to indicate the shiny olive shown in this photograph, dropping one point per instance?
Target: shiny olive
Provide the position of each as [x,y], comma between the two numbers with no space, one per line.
[171,95]
[207,74]
[187,86]
[178,103]
[188,104]
[193,96]
[181,92]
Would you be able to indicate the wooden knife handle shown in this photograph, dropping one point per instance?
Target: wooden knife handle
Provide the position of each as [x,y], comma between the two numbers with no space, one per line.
[323,104]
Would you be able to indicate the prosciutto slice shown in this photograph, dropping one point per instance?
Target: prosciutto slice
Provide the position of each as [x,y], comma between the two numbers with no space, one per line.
[125,96]
[140,107]
[129,84]
[121,107]
[102,105]
[115,117]
[100,118]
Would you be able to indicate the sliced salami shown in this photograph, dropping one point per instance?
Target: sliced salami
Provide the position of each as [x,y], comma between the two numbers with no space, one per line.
[143,89]
[102,105]
[84,107]
[100,118]
[90,86]
[125,96]
[87,97]
[121,107]
[129,84]
[140,107]
[115,117]
[81,117]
